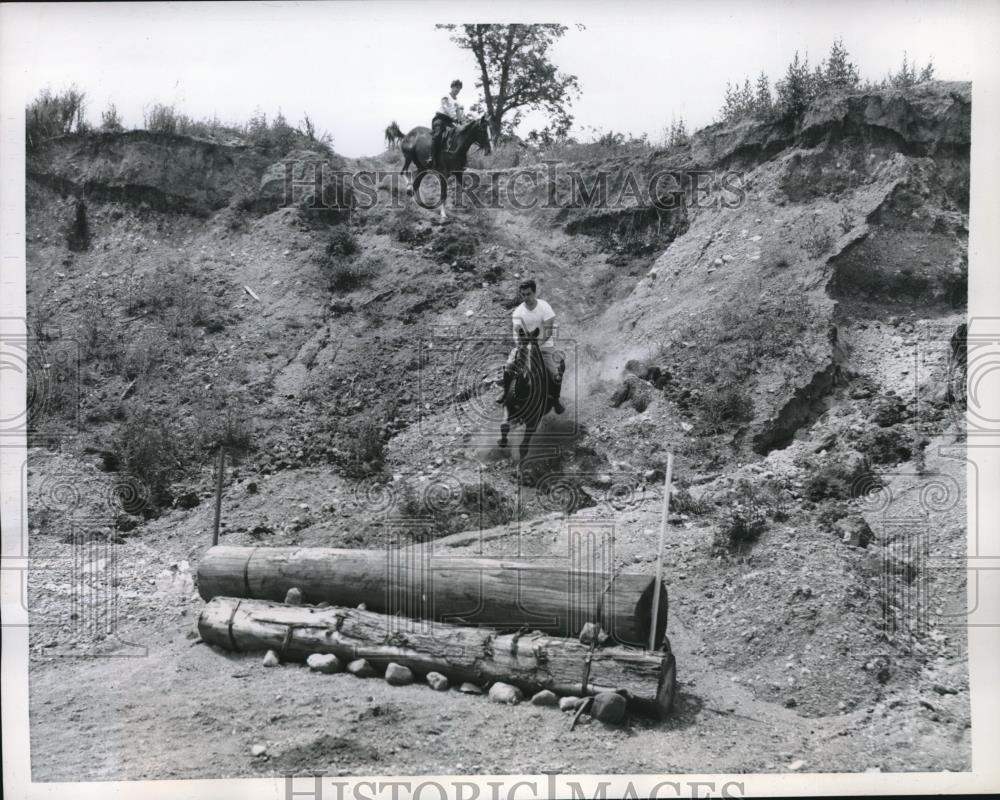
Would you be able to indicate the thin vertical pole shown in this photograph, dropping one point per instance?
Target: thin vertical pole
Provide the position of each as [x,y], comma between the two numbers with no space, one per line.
[659,552]
[218,493]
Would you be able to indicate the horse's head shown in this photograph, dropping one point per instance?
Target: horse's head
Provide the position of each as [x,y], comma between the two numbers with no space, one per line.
[527,351]
[481,133]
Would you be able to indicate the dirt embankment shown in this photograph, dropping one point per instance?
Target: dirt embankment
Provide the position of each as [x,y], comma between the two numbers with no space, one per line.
[792,349]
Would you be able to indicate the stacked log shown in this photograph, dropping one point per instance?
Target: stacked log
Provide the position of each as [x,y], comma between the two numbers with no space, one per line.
[530,661]
[496,594]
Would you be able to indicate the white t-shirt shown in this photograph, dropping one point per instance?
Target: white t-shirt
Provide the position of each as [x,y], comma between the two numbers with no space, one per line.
[529,319]
[452,108]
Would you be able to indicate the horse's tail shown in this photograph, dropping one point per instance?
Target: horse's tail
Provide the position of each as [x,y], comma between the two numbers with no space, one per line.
[393,135]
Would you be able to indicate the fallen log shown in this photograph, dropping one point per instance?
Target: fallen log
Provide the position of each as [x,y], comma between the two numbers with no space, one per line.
[531,662]
[503,595]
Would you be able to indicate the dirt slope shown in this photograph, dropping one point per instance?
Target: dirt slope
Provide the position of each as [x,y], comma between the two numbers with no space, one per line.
[794,352]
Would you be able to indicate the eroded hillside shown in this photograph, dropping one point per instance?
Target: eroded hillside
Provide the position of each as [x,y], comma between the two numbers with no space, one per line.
[796,350]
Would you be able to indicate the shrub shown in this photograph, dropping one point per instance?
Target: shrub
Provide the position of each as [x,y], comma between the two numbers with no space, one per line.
[345,276]
[744,520]
[341,242]
[840,478]
[681,502]
[51,115]
[887,445]
[818,242]
[160,119]
[724,409]
[363,438]
[150,450]
[111,122]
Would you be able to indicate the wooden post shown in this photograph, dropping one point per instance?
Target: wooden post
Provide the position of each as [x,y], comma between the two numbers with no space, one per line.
[218,493]
[659,551]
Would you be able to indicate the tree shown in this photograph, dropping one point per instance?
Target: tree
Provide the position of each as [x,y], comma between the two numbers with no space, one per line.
[678,133]
[762,103]
[516,73]
[840,72]
[794,91]
[111,121]
[54,115]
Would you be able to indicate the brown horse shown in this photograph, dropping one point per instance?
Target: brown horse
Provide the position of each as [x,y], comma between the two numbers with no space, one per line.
[416,147]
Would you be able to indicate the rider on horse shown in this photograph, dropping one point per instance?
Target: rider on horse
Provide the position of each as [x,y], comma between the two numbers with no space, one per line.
[533,315]
[450,113]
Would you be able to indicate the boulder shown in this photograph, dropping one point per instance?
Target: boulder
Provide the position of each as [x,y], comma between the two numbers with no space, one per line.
[361,668]
[271,659]
[324,662]
[398,675]
[505,693]
[437,681]
[568,703]
[545,698]
[608,707]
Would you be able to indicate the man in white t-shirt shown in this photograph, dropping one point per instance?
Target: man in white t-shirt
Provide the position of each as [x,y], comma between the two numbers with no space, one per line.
[449,114]
[536,315]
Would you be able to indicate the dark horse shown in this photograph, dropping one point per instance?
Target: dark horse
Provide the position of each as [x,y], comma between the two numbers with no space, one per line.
[529,398]
[416,147]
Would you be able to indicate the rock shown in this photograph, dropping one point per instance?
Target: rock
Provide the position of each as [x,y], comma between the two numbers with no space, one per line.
[470,688]
[608,707]
[590,630]
[293,597]
[361,668]
[854,530]
[795,766]
[398,675]
[271,659]
[273,191]
[941,689]
[505,693]
[643,370]
[791,702]
[568,703]
[437,681]
[258,750]
[324,662]
[545,698]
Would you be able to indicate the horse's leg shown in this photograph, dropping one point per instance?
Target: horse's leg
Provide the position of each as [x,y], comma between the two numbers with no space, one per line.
[504,428]
[529,431]
[405,172]
[444,196]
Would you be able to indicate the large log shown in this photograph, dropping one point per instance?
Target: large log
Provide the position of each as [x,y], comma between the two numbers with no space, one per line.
[530,661]
[504,595]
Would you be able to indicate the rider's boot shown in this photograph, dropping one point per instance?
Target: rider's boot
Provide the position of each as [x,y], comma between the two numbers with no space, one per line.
[436,142]
[554,388]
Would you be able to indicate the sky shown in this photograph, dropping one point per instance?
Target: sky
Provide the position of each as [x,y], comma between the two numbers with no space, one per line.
[354,66]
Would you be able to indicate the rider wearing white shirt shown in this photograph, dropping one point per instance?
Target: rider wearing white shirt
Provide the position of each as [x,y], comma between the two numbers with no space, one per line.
[450,113]
[536,315]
